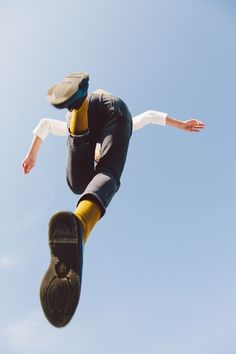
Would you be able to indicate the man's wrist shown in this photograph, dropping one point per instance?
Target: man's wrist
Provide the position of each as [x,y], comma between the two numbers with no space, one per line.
[174,122]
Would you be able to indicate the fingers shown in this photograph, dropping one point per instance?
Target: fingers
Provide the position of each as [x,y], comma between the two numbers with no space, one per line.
[194,125]
[194,121]
[27,166]
[197,127]
[198,124]
[194,129]
[27,170]
[24,167]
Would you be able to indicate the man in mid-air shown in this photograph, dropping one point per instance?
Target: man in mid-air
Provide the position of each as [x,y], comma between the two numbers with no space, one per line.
[98,127]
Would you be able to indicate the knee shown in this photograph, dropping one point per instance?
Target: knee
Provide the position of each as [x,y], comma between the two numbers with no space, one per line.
[76,188]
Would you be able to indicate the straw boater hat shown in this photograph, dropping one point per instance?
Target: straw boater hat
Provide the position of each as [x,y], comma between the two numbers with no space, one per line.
[70,92]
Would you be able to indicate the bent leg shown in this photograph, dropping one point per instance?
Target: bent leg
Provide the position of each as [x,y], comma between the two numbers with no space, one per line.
[114,146]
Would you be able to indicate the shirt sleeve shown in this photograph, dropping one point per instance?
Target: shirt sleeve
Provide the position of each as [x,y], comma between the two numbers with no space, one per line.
[149,117]
[53,126]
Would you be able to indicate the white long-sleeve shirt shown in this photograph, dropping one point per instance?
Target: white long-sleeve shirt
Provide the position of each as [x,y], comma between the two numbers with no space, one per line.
[58,127]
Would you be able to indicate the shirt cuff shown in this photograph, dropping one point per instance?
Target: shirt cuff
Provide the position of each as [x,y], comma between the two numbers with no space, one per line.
[40,131]
[158,117]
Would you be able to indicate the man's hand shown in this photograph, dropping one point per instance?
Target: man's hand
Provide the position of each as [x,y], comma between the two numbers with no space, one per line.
[97,154]
[28,163]
[193,125]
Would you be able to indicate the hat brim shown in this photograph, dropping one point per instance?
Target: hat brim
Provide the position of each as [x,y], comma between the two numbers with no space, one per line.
[73,88]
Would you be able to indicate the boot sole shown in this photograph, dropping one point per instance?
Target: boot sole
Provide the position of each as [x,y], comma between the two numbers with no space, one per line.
[61,286]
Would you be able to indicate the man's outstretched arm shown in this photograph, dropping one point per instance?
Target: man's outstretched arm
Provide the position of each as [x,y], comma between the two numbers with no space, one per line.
[30,159]
[191,125]
[45,126]
[160,118]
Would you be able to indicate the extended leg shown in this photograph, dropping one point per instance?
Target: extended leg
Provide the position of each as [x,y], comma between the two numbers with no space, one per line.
[61,285]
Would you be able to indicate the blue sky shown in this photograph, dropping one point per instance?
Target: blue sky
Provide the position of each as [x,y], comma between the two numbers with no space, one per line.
[159,272]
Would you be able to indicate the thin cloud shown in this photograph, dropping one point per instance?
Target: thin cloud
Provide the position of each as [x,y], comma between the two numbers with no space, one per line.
[28,220]
[7,261]
[33,334]
[26,335]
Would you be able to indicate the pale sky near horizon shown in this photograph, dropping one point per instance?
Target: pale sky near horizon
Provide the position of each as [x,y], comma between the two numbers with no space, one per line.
[159,268]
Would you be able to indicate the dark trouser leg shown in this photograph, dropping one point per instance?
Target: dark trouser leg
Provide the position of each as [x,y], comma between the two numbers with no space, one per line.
[80,162]
[115,137]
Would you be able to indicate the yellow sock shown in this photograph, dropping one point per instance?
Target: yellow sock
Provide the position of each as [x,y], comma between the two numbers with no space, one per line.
[88,213]
[79,119]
